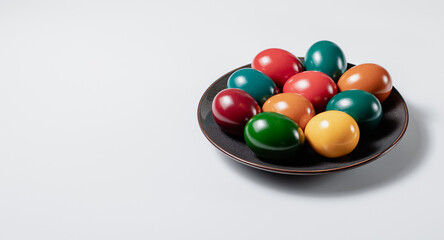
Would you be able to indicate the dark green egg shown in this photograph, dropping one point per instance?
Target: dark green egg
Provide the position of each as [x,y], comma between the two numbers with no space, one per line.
[364,107]
[273,136]
[326,57]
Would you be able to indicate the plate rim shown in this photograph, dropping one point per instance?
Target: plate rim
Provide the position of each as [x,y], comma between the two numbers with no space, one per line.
[294,171]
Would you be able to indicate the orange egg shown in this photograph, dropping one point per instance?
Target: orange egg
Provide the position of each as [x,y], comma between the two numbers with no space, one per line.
[369,77]
[292,105]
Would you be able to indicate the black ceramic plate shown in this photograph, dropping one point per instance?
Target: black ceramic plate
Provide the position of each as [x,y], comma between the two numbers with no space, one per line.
[370,147]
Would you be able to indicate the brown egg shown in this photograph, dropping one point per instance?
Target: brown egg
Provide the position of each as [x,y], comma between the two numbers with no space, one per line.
[292,105]
[369,77]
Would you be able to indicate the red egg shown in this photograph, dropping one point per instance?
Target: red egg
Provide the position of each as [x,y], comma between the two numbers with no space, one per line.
[232,108]
[277,64]
[315,86]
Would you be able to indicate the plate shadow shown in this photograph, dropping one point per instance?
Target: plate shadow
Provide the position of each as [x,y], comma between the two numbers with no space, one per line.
[401,161]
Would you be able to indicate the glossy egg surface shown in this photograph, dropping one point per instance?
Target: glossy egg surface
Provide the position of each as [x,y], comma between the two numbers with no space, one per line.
[332,134]
[327,57]
[368,77]
[292,105]
[232,108]
[273,136]
[278,64]
[255,83]
[364,107]
[317,87]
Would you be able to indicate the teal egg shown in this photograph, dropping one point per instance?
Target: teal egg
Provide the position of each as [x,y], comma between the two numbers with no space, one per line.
[326,57]
[255,83]
[364,107]
[273,136]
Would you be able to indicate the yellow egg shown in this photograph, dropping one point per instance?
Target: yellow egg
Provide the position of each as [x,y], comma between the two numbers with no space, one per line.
[332,133]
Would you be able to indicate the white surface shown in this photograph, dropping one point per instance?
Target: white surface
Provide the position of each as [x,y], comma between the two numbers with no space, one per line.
[99,136]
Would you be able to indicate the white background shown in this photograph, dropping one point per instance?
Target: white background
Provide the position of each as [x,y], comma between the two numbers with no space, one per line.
[99,136]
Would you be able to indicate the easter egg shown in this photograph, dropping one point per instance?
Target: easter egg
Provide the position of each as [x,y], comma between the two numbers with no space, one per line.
[362,106]
[369,77]
[255,83]
[232,108]
[317,87]
[295,106]
[278,64]
[326,57]
[273,136]
[332,134]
